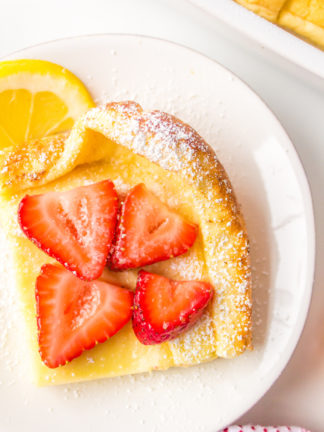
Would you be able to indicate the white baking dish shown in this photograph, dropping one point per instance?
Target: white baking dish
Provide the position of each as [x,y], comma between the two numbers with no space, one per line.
[266,34]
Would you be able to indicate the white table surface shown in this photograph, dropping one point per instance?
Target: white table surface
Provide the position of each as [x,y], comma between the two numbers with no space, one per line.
[295,97]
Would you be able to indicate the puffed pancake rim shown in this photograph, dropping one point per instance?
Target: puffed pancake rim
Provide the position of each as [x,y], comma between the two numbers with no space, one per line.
[129,146]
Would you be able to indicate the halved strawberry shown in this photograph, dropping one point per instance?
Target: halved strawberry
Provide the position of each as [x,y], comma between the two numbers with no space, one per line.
[74,315]
[164,308]
[149,231]
[75,227]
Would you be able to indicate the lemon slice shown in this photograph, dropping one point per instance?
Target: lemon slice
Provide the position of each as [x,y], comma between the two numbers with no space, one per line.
[38,98]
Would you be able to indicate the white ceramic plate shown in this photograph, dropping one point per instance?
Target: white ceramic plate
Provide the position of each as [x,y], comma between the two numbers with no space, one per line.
[266,35]
[272,189]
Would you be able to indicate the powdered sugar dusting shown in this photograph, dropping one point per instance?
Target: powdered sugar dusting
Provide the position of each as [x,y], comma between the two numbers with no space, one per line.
[14,364]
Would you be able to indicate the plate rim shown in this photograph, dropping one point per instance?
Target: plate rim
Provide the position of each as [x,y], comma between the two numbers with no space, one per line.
[295,162]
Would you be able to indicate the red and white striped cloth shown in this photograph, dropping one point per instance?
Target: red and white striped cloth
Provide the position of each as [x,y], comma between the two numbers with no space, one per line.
[250,428]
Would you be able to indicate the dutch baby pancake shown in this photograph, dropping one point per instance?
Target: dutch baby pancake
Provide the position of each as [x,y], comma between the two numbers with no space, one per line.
[143,173]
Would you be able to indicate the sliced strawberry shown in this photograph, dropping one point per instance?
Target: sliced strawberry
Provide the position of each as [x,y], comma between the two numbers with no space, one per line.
[149,231]
[75,227]
[164,308]
[74,315]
